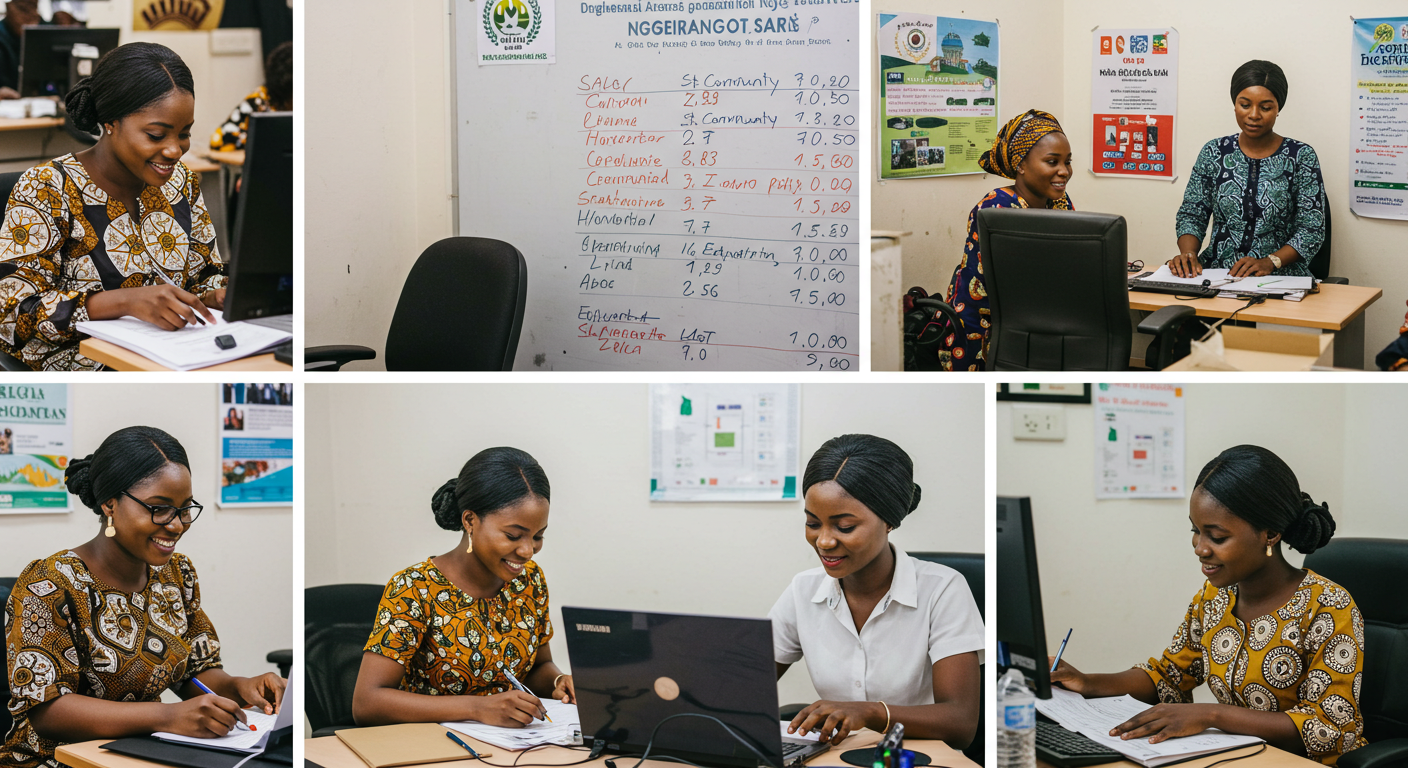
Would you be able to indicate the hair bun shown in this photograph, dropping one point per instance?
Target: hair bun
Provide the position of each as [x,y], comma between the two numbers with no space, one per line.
[81,108]
[1313,529]
[447,514]
[78,479]
[914,499]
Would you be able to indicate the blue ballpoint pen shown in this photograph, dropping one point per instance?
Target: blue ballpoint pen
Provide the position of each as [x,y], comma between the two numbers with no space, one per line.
[201,686]
[1063,649]
[456,739]
[520,687]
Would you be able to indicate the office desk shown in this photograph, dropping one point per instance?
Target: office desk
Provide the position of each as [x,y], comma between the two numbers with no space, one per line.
[330,752]
[120,359]
[1271,758]
[29,123]
[1336,308]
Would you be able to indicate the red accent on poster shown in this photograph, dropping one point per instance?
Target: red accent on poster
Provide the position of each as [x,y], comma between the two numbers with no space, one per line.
[1133,145]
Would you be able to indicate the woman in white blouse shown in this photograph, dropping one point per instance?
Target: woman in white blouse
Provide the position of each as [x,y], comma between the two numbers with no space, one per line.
[887,638]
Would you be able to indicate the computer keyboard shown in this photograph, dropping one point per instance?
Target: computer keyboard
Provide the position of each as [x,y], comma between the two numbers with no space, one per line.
[277,322]
[792,747]
[1066,749]
[1179,289]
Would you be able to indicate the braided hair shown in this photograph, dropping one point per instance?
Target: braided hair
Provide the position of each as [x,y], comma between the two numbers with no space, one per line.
[873,470]
[125,80]
[492,479]
[125,459]
[1257,486]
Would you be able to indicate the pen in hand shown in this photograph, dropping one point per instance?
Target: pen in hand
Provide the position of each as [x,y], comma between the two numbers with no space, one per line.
[1057,661]
[514,681]
[171,282]
[238,723]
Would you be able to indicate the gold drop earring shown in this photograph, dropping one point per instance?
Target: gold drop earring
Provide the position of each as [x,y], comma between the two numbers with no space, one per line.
[470,538]
[1268,549]
[109,531]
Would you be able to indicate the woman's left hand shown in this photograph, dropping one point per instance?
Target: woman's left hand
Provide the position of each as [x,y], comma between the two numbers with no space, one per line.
[265,692]
[215,299]
[563,690]
[1166,721]
[1249,266]
[837,718]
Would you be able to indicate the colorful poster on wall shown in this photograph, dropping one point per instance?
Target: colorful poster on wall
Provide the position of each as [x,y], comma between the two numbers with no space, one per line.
[938,94]
[724,442]
[1139,441]
[1134,101]
[36,441]
[256,445]
[176,15]
[1378,114]
[516,31]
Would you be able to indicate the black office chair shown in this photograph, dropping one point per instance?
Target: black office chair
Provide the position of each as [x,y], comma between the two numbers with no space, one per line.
[337,620]
[972,566]
[1320,263]
[461,309]
[1057,285]
[6,584]
[1374,571]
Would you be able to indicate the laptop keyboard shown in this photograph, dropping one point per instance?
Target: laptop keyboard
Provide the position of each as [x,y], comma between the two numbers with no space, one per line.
[790,748]
[277,322]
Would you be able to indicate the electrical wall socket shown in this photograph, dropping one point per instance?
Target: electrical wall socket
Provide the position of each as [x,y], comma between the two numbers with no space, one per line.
[1034,422]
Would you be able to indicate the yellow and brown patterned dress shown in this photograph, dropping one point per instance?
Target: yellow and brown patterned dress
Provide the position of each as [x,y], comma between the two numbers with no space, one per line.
[1304,659]
[67,632]
[235,130]
[452,643]
[64,239]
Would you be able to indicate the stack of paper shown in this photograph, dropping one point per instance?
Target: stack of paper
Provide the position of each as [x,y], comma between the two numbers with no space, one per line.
[240,740]
[1216,277]
[190,347]
[565,727]
[1287,287]
[1094,718]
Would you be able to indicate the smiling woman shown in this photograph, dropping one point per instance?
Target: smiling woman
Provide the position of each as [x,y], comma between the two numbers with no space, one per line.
[97,633]
[118,229]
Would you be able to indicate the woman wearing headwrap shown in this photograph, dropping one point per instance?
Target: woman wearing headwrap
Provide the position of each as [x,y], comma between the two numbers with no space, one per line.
[1031,150]
[1262,190]
[888,638]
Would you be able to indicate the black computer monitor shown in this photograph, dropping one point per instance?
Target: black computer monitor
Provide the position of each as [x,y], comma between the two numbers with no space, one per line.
[261,248]
[45,52]
[1021,629]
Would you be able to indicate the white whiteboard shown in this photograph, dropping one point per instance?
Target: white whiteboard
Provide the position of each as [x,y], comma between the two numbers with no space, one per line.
[731,241]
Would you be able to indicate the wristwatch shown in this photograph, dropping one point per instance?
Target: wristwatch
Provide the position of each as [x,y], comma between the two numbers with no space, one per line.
[1275,261]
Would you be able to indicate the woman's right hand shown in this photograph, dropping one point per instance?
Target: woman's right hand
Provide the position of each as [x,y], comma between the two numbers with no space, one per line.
[204,717]
[1185,265]
[165,306]
[512,709]
[1069,677]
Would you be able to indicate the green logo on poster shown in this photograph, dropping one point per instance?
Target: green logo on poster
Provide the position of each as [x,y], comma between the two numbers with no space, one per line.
[512,21]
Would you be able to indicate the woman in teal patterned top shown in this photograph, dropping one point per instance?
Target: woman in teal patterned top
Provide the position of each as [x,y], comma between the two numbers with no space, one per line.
[1263,191]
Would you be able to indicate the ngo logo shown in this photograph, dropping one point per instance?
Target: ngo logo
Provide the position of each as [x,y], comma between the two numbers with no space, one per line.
[1119,43]
[1161,43]
[512,21]
[1106,45]
[916,42]
[1138,43]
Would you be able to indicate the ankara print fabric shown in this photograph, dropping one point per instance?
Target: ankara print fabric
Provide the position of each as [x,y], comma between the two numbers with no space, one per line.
[968,350]
[452,643]
[233,133]
[67,632]
[1256,206]
[1304,659]
[64,239]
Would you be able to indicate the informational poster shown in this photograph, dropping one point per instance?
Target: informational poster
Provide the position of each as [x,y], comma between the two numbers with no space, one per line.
[1378,114]
[1134,101]
[174,16]
[36,441]
[1139,441]
[256,445]
[724,442]
[938,94]
[517,32]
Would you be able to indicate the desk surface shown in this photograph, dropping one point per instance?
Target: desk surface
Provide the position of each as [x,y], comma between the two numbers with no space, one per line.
[28,123]
[121,359]
[1271,758]
[330,752]
[200,164]
[227,157]
[1333,308]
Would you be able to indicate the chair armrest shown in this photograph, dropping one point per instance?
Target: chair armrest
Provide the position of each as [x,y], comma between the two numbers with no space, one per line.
[1336,280]
[284,656]
[334,356]
[1165,326]
[1379,754]
[330,730]
[1165,319]
[11,363]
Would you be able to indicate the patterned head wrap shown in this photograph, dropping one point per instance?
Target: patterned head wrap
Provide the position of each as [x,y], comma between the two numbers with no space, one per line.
[1015,140]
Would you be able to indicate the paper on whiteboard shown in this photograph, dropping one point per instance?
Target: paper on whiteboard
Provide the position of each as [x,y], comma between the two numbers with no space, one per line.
[1139,441]
[724,442]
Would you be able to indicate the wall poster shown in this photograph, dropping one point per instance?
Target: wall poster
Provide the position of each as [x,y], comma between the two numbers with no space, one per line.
[1378,114]
[1139,441]
[724,442]
[256,445]
[1134,101]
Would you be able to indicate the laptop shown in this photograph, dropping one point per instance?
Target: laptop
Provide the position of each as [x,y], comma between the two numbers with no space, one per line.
[632,669]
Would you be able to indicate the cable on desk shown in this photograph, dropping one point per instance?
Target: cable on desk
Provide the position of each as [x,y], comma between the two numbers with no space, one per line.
[1239,757]
[1253,301]
[651,742]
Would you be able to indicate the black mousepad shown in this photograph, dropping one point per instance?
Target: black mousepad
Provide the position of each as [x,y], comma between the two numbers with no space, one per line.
[865,758]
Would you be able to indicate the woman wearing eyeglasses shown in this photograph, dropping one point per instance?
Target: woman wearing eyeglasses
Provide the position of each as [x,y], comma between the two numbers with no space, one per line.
[97,632]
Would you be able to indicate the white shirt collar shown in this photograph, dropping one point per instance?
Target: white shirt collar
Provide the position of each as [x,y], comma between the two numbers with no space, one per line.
[904,585]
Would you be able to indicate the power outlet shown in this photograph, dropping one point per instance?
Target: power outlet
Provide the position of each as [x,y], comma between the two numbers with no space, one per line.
[1031,422]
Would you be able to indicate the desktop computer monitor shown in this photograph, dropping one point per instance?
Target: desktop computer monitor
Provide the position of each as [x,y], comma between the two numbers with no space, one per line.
[1021,629]
[45,53]
[261,248]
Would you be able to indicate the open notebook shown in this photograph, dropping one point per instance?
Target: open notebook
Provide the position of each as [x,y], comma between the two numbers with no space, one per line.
[240,740]
[190,347]
[1093,719]
[564,728]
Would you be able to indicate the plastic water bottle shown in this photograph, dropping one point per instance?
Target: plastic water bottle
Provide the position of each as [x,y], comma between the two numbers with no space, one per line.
[1016,722]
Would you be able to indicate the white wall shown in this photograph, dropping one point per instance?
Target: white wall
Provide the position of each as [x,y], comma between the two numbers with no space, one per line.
[1121,572]
[244,557]
[385,448]
[378,174]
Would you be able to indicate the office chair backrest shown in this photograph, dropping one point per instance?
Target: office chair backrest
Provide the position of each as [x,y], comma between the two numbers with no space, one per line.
[1057,285]
[972,567]
[1320,264]
[1374,571]
[7,185]
[6,584]
[461,308]
[337,620]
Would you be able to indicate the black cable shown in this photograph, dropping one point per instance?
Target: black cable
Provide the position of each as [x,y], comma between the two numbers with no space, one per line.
[1239,757]
[1253,301]
[651,742]
[516,764]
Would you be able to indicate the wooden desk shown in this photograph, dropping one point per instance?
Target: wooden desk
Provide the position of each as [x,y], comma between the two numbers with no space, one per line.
[330,752]
[29,123]
[120,359]
[1271,758]
[1338,309]
[227,157]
